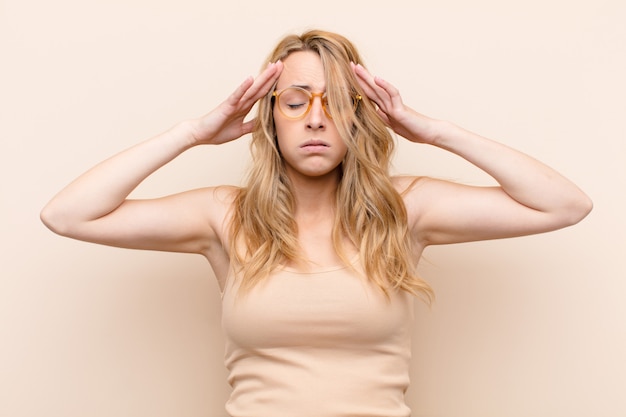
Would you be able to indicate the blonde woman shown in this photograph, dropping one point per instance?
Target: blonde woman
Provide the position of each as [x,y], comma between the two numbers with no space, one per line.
[316,255]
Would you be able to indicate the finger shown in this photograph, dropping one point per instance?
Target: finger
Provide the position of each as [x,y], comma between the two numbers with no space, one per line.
[247,127]
[363,74]
[372,89]
[368,91]
[364,78]
[251,89]
[383,116]
[240,91]
[392,92]
[264,82]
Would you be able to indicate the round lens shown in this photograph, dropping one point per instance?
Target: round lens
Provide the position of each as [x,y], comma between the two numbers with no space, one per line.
[345,105]
[294,102]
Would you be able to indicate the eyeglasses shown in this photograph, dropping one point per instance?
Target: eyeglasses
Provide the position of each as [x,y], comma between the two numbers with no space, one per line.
[296,102]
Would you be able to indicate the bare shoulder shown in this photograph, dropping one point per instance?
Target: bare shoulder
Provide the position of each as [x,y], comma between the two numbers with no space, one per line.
[216,202]
[407,183]
[412,187]
[419,193]
[207,200]
[222,194]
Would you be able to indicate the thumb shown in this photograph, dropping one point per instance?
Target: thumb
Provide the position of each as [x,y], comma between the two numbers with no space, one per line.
[248,126]
[383,116]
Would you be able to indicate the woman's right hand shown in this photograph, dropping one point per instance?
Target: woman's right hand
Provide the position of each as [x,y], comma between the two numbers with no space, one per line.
[226,122]
[95,206]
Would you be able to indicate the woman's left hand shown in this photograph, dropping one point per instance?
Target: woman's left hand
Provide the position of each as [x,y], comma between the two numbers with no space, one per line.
[405,121]
[531,197]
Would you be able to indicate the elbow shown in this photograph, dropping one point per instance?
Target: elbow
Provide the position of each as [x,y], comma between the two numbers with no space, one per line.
[578,210]
[584,207]
[53,220]
[587,206]
[48,219]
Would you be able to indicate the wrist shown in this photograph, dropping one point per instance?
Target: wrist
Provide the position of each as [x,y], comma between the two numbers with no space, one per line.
[453,138]
[437,131]
[187,133]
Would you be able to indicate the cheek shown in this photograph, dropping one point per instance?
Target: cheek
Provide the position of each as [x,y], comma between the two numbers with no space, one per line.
[344,152]
[281,133]
[340,143]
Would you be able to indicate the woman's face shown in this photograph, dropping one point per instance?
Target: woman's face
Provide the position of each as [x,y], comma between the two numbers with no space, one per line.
[311,145]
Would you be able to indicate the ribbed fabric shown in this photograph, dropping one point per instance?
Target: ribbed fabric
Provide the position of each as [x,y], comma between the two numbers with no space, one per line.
[321,344]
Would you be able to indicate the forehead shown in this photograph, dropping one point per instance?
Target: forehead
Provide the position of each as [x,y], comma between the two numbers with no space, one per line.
[303,68]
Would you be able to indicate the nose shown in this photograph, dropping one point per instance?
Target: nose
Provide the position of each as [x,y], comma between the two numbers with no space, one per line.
[315,118]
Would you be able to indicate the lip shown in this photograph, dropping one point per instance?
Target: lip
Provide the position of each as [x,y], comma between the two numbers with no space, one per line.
[314,144]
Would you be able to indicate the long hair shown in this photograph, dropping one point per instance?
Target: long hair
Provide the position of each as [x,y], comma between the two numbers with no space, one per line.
[370,213]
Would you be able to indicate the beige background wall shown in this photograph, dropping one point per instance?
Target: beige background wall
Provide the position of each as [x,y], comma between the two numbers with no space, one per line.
[527,327]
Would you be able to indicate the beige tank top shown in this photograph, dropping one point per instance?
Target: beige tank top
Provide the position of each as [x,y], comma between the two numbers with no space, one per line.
[325,343]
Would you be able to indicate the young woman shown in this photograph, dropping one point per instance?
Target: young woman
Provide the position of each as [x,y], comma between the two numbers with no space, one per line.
[316,255]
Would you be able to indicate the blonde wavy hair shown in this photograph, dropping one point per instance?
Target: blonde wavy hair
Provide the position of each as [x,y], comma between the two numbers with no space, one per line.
[370,213]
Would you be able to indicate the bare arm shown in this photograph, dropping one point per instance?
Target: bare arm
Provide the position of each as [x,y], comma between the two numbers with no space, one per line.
[95,207]
[531,197]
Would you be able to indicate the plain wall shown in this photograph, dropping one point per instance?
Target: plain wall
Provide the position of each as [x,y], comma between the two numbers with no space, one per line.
[533,326]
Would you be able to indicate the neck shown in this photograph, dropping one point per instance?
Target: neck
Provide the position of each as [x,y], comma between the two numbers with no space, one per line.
[315,195]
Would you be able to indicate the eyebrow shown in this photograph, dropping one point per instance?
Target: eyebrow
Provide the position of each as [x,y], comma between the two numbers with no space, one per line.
[304,86]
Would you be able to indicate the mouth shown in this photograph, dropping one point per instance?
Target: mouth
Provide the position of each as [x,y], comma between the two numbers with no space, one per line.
[315,144]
